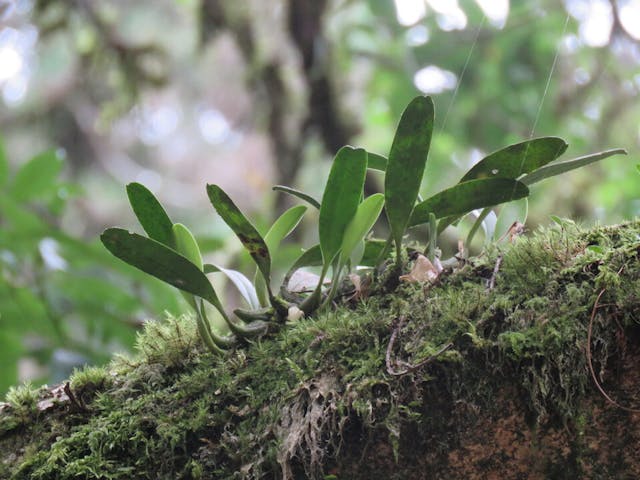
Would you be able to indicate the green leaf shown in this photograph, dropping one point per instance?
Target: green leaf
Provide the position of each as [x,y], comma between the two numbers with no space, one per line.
[488,225]
[364,219]
[312,257]
[464,197]
[242,283]
[37,177]
[246,233]
[545,171]
[186,245]
[160,261]
[517,159]
[376,162]
[562,167]
[283,226]
[297,193]
[340,199]
[407,160]
[373,250]
[150,214]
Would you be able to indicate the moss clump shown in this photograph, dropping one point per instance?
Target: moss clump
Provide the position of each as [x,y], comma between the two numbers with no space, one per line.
[317,399]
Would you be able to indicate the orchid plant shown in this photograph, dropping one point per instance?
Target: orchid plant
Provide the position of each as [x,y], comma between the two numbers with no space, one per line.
[171,253]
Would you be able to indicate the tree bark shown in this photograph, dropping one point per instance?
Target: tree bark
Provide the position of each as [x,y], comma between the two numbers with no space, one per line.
[524,370]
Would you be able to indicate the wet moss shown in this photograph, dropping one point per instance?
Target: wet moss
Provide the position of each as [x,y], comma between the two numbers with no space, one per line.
[317,399]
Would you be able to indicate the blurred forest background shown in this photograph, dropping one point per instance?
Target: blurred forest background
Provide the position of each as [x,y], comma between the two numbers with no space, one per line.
[252,93]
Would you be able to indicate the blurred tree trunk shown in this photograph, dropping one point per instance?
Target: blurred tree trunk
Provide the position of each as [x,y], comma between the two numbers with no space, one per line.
[297,109]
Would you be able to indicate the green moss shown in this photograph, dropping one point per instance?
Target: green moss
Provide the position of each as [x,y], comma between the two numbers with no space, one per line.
[292,404]
[20,408]
[22,399]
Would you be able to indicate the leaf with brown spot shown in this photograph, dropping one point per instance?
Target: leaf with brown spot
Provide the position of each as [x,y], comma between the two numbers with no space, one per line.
[244,230]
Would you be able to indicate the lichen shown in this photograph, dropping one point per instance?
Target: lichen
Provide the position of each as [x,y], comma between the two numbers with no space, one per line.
[317,400]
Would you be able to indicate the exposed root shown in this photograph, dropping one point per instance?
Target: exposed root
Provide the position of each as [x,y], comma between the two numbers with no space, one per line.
[492,281]
[408,368]
[590,362]
[307,426]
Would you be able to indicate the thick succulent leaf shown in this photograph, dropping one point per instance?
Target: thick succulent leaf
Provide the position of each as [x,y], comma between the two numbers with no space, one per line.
[373,250]
[364,219]
[464,197]
[160,261]
[246,233]
[297,193]
[150,213]
[517,159]
[376,162]
[283,226]
[407,160]
[446,221]
[312,257]
[242,283]
[186,245]
[341,198]
[542,172]
[562,167]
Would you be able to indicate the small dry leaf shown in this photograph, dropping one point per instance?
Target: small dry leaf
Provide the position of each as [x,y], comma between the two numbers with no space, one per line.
[361,286]
[423,271]
[515,230]
[355,279]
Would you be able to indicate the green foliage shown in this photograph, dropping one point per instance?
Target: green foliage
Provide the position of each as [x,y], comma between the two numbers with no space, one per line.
[361,224]
[152,217]
[160,261]
[518,159]
[186,244]
[65,301]
[342,195]
[407,160]
[281,228]
[297,193]
[464,197]
[563,167]
[345,222]
[246,233]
